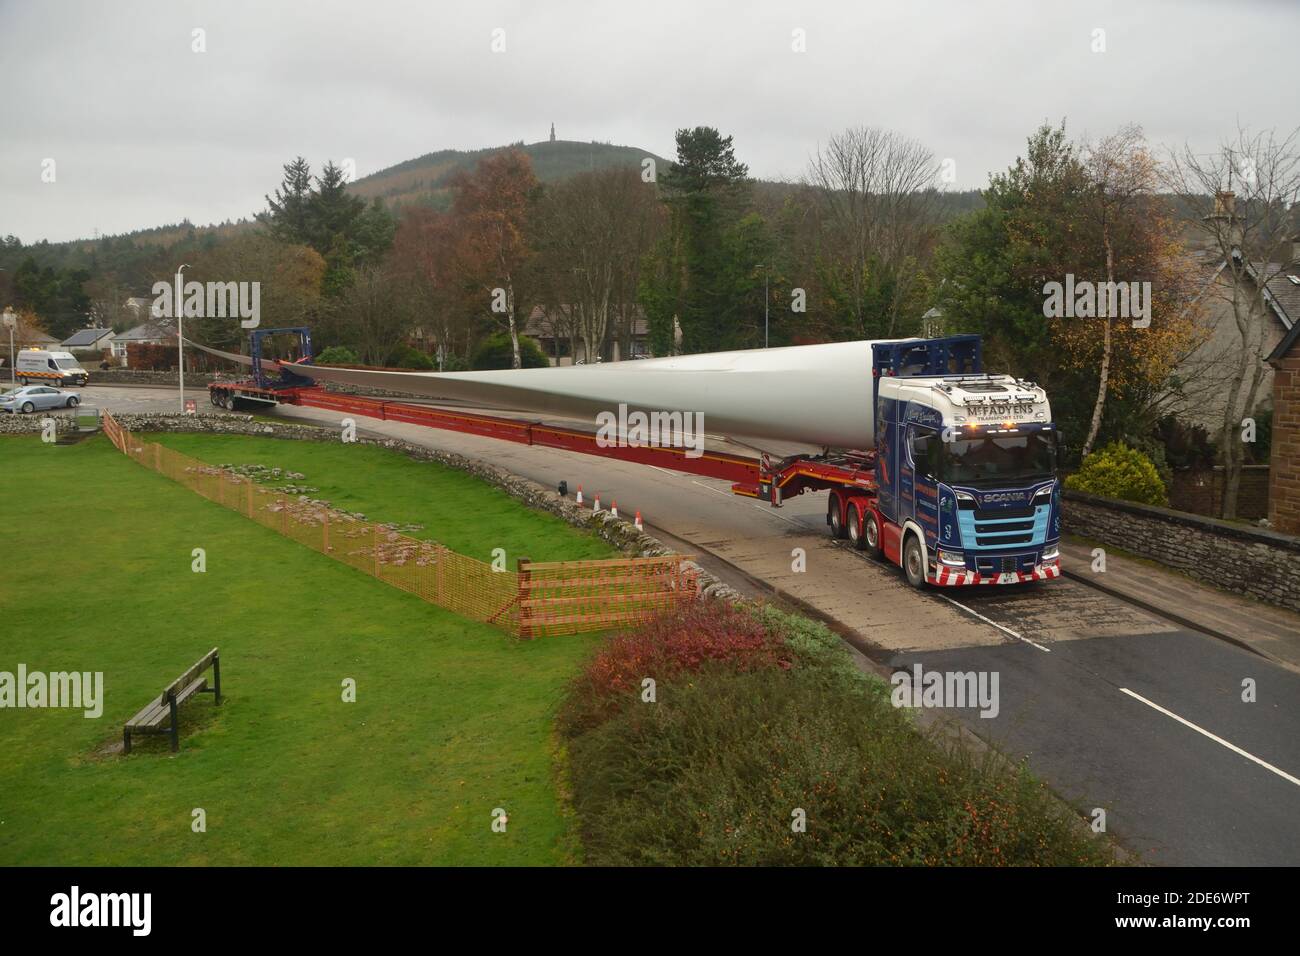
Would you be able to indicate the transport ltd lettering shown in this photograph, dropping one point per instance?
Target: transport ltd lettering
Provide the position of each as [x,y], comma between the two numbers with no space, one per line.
[103,909]
[76,689]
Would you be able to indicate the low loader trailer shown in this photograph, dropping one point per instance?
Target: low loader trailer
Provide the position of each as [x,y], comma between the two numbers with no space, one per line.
[959,489]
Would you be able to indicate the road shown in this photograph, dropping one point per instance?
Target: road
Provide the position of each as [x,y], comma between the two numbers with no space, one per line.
[1115,708]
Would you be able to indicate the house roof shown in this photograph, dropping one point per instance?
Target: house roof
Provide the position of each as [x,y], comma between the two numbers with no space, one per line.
[146,332]
[1288,342]
[1281,294]
[86,337]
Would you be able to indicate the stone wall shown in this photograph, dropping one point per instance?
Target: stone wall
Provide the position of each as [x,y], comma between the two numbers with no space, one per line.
[618,532]
[1250,561]
[1284,490]
[31,424]
[1200,491]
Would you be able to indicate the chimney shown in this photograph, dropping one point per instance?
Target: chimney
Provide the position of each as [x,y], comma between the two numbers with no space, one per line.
[1225,221]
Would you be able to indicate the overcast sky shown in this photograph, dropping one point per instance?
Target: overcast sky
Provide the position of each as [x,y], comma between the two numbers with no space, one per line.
[144,131]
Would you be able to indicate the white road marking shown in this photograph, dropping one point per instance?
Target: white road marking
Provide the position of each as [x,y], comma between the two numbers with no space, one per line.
[1004,630]
[1218,740]
[716,491]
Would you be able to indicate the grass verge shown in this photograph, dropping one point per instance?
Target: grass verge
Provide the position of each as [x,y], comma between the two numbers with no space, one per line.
[452,718]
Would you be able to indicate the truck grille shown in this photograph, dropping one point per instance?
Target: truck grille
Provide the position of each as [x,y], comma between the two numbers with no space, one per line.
[986,515]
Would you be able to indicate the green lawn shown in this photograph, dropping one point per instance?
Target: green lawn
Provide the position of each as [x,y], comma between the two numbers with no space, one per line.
[455,508]
[452,718]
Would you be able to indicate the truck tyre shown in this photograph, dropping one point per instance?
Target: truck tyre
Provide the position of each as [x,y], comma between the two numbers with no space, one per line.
[914,562]
[856,533]
[833,516]
[871,533]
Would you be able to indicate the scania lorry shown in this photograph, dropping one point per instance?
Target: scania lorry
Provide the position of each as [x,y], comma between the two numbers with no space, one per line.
[943,469]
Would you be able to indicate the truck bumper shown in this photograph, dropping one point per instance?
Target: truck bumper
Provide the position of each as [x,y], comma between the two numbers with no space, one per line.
[958,577]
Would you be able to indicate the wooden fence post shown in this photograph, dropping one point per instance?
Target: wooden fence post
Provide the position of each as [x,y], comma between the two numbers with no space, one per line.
[376,529]
[325,533]
[525,613]
[250,497]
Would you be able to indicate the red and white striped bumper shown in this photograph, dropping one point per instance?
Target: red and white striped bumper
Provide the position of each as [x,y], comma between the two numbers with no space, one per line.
[952,577]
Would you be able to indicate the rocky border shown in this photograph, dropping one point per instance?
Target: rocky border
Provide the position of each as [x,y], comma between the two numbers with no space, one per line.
[620,533]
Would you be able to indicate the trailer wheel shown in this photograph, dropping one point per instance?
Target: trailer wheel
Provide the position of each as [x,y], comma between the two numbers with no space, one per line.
[855,529]
[212,397]
[871,533]
[834,516]
[914,562]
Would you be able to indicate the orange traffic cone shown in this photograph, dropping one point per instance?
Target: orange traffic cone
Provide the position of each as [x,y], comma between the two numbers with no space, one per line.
[613,510]
[637,522]
[579,494]
[596,506]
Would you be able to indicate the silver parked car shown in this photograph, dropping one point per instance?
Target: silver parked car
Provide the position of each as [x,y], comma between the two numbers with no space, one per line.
[31,398]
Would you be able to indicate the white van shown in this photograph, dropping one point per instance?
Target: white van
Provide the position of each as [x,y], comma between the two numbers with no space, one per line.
[39,367]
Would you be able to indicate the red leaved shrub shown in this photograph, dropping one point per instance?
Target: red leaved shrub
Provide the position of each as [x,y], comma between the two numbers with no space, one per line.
[702,633]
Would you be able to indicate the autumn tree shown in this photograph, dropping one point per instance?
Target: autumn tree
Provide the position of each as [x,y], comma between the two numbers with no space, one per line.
[491,209]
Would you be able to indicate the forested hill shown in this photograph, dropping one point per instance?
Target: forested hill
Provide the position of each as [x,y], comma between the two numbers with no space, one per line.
[427,178]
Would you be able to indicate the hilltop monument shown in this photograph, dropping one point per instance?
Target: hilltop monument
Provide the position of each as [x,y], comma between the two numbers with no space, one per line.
[552,132]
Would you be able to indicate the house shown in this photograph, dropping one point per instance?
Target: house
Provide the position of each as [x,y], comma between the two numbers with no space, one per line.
[139,306]
[25,337]
[1284,467]
[1210,370]
[86,340]
[146,333]
[555,329]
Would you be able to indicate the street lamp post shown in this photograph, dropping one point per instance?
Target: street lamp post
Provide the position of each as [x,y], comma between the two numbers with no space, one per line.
[766,304]
[10,320]
[179,297]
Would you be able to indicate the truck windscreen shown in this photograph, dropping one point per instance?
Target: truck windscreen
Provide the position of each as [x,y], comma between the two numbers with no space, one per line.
[1000,458]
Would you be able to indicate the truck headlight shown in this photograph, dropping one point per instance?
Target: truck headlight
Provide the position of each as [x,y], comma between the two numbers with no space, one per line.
[1051,554]
[953,559]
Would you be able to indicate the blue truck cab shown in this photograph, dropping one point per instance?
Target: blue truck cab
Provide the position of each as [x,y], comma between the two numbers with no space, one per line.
[965,467]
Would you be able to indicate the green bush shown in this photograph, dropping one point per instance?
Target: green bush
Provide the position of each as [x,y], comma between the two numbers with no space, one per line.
[337,355]
[495,352]
[1117,471]
[407,357]
[712,771]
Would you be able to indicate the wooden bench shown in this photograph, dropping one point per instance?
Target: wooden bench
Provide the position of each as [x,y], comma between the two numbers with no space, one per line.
[164,707]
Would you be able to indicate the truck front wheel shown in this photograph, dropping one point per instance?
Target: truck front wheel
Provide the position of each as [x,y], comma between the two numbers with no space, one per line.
[914,562]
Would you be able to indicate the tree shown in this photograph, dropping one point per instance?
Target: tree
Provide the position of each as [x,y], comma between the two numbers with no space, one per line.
[289,286]
[288,218]
[491,209]
[705,191]
[331,220]
[1241,201]
[874,193]
[1060,211]
[424,254]
[592,233]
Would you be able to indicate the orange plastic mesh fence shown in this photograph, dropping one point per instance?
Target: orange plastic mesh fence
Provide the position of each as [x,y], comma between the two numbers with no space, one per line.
[537,600]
